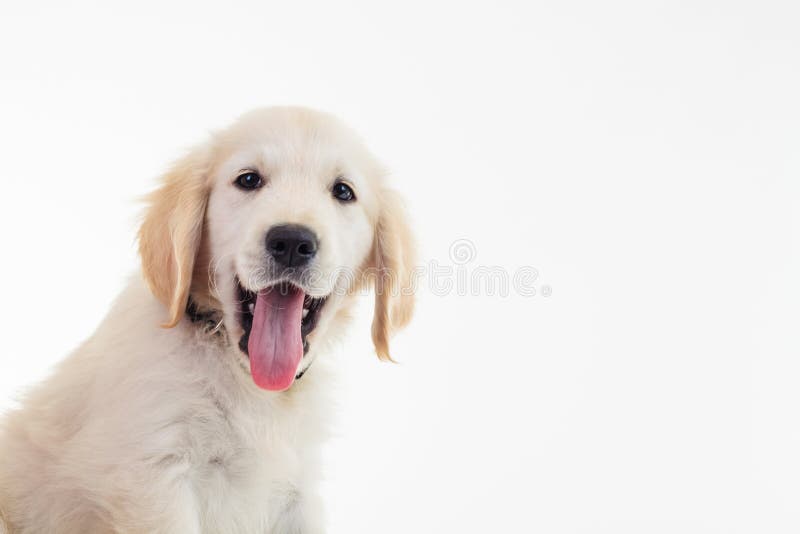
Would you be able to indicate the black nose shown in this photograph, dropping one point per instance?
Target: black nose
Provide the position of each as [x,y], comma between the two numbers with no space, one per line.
[291,245]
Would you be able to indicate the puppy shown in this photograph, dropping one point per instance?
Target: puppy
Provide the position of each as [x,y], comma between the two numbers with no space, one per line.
[198,405]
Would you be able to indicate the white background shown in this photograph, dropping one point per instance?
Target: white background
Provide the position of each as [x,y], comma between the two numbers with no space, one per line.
[642,156]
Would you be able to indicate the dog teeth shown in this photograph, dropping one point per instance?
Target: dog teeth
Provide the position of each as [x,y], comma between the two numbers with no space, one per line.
[305,312]
[251,307]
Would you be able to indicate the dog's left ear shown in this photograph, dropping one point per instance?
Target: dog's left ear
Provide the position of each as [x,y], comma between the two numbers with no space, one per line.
[393,258]
[170,235]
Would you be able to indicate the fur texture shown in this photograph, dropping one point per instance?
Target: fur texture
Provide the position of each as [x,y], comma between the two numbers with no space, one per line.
[154,424]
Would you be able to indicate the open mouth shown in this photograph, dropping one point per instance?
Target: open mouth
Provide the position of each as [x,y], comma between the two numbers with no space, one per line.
[276,322]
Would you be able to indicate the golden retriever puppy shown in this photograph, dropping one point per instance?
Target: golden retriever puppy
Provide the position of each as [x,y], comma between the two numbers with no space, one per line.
[198,405]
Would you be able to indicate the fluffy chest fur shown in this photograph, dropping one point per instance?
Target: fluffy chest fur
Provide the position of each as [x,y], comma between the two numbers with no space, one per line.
[152,430]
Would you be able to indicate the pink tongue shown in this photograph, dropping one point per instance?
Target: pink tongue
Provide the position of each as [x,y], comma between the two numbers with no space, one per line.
[275,346]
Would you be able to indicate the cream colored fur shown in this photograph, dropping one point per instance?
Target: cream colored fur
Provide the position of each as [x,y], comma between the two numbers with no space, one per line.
[154,425]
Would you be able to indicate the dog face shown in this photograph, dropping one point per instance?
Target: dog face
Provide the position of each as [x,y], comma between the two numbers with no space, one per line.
[275,224]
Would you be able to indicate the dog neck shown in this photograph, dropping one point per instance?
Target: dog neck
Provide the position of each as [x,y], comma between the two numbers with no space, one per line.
[208,319]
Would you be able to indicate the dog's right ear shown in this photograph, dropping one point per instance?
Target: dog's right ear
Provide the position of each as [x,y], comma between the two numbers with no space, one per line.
[170,235]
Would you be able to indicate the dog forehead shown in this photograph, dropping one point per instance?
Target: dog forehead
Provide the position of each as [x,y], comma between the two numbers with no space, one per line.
[292,136]
[279,158]
[290,131]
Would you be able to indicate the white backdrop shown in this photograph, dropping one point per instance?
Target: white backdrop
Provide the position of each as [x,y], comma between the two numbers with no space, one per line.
[641,156]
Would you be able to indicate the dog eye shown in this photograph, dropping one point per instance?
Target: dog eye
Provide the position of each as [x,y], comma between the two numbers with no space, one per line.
[342,191]
[248,180]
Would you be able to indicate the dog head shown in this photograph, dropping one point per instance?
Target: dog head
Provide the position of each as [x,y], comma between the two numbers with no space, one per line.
[274,225]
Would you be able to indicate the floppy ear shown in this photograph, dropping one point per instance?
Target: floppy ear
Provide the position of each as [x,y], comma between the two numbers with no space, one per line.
[170,235]
[393,261]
